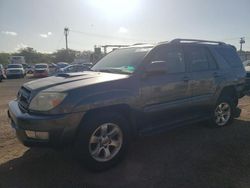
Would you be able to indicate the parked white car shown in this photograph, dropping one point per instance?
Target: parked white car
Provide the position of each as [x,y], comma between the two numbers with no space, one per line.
[15,71]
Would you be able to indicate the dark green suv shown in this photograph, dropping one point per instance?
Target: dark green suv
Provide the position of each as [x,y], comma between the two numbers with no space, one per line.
[132,91]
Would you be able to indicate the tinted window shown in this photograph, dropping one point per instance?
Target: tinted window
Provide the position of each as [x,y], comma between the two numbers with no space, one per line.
[230,55]
[198,58]
[71,68]
[173,57]
[212,63]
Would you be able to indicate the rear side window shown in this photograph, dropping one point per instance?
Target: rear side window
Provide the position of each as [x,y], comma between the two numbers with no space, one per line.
[230,55]
[200,59]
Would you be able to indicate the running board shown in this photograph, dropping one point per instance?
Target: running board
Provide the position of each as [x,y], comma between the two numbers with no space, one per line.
[165,126]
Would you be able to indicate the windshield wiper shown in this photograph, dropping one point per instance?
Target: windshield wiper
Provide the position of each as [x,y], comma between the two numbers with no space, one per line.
[103,70]
[112,70]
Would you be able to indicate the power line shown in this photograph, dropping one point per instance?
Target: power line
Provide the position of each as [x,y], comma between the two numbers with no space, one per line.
[234,38]
[108,36]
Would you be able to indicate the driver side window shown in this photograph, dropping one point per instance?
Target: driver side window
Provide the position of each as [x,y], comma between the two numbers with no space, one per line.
[173,56]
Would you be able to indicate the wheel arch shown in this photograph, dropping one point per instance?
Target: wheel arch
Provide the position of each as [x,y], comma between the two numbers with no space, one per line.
[229,91]
[122,109]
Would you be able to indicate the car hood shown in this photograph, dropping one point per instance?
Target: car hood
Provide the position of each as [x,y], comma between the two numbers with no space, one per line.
[67,81]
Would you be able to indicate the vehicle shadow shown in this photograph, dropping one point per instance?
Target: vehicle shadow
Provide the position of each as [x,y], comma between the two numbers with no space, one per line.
[191,156]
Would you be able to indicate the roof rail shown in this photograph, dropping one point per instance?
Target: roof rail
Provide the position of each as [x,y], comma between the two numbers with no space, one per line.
[136,44]
[143,44]
[197,41]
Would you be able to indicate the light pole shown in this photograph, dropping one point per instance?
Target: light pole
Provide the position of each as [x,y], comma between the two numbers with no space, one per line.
[242,41]
[66,32]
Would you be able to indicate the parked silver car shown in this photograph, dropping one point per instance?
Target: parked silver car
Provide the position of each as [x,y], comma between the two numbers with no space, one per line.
[74,68]
[15,71]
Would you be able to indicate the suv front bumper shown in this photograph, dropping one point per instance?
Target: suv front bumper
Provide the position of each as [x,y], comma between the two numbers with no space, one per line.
[61,129]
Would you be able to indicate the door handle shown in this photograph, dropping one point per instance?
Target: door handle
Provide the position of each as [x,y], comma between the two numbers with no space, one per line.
[185,78]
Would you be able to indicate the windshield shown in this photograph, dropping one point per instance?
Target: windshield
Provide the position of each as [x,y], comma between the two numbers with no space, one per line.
[62,65]
[41,66]
[122,60]
[69,67]
[15,66]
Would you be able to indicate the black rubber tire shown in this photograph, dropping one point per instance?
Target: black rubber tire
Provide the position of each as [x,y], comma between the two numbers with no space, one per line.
[231,102]
[86,129]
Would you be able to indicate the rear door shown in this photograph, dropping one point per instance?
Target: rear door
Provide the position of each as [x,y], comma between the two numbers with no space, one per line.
[205,73]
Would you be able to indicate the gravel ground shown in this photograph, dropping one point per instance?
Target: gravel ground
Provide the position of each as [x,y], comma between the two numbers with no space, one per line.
[191,156]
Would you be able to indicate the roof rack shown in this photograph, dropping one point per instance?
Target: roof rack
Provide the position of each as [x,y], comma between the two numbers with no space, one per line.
[197,41]
[137,44]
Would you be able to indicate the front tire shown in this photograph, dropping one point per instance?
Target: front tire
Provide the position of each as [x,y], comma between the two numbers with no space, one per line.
[223,113]
[102,141]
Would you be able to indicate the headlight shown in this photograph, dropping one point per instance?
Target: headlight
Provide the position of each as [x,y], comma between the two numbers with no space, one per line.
[45,101]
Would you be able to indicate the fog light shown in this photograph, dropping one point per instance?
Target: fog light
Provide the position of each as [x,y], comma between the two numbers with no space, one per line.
[30,134]
[37,135]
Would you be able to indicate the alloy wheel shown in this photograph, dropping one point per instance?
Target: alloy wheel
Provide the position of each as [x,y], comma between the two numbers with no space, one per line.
[222,114]
[105,142]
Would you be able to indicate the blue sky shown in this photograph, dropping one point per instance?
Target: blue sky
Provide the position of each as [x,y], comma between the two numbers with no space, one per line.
[39,24]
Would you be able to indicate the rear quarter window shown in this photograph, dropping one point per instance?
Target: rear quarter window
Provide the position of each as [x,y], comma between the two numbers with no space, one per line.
[230,56]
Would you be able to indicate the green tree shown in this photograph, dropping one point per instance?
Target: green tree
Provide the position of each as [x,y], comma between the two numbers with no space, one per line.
[64,55]
[4,58]
[31,55]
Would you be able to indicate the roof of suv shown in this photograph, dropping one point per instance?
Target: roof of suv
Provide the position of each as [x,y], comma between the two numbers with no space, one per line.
[182,41]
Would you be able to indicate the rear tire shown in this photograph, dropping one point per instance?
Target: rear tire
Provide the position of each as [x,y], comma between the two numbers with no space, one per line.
[223,112]
[102,141]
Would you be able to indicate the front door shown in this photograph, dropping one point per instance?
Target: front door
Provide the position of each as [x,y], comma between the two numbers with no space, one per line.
[166,95]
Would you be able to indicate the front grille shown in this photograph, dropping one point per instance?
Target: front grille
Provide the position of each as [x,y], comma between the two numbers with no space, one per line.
[39,71]
[14,71]
[24,97]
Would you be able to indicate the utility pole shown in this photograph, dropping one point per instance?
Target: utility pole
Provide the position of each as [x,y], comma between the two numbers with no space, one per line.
[66,33]
[242,41]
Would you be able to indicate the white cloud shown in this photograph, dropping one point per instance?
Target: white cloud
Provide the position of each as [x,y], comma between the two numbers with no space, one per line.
[123,30]
[43,35]
[20,46]
[9,33]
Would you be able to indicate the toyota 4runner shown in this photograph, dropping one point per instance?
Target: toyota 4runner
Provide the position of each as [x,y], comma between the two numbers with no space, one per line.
[137,90]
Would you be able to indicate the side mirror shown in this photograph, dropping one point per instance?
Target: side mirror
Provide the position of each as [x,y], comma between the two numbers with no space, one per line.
[156,67]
